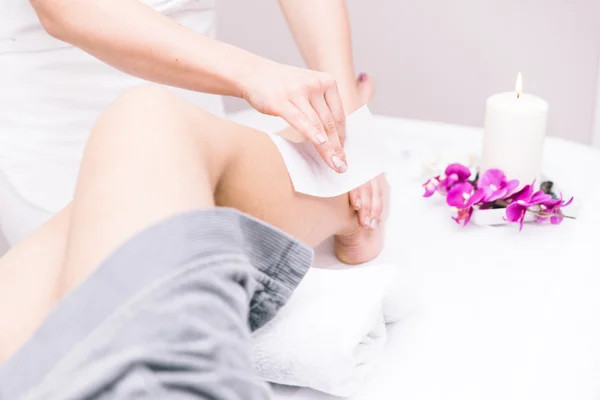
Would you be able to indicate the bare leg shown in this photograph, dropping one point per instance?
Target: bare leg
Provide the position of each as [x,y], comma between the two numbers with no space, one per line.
[123,188]
[28,275]
[135,172]
[151,156]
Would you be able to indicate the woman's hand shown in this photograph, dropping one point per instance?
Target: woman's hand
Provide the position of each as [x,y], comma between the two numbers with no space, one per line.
[308,100]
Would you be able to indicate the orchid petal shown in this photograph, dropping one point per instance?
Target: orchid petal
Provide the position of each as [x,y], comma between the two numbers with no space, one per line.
[511,186]
[463,216]
[498,194]
[468,216]
[459,195]
[523,194]
[476,198]
[514,212]
[521,221]
[568,202]
[492,177]
[540,197]
[462,172]
[431,186]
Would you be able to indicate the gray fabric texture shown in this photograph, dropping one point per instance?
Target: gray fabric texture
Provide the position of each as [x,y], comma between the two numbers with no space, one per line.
[168,315]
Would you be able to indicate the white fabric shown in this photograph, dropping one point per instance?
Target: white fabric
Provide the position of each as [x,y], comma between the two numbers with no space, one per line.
[491,313]
[365,155]
[331,333]
[51,94]
[18,217]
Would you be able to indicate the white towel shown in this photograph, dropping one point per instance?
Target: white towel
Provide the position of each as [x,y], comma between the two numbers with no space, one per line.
[331,333]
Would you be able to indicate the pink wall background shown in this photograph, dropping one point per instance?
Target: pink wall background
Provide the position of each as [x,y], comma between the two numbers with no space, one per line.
[439,60]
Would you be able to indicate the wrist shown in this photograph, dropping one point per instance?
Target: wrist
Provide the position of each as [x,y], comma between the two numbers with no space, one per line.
[236,68]
[245,72]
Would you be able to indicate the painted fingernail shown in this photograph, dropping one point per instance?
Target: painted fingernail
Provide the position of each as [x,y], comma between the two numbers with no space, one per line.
[367,221]
[374,224]
[357,204]
[321,137]
[362,76]
[339,164]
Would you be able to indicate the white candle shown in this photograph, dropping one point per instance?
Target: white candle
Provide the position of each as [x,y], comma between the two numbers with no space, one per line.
[515,128]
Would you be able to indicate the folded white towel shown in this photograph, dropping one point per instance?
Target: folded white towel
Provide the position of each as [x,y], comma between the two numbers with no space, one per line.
[331,333]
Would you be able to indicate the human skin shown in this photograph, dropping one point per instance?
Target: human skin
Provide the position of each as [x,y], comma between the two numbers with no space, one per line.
[138,40]
[151,156]
[134,38]
[322,31]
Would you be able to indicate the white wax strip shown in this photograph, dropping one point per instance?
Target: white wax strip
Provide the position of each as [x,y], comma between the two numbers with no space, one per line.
[367,153]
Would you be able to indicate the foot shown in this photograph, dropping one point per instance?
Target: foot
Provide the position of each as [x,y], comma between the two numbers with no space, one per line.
[358,245]
[365,88]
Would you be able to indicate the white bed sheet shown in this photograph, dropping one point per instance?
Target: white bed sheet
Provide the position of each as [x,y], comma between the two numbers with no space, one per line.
[491,313]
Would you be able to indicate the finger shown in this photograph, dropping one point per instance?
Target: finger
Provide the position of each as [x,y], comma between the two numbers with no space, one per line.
[307,109]
[336,108]
[333,147]
[302,124]
[376,204]
[364,214]
[319,104]
[355,200]
[293,116]
[333,143]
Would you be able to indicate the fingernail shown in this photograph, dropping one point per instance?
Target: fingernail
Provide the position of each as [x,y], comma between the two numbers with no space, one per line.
[357,204]
[367,221]
[321,137]
[339,164]
[374,224]
[362,76]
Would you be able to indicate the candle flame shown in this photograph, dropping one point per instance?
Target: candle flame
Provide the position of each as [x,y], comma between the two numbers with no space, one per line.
[519,88]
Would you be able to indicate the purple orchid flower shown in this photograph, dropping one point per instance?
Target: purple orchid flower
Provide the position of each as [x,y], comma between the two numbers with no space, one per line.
[552,208]
[431,186]
[522,201]
[463,196]
[495,185]
[524,193]
[463,216]
[455,173]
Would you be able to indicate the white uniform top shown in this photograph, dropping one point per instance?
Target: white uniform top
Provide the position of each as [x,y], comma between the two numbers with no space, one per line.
[51,93]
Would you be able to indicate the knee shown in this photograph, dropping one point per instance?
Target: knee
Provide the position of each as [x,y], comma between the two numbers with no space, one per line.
[149,117]
[141,117]
[157,104]
[147,98]
[139,108]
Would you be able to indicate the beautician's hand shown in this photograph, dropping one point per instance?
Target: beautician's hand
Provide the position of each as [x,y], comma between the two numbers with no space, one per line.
[308,100]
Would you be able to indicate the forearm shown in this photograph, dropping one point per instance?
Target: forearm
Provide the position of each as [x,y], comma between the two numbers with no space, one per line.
[322,32]
[138,40]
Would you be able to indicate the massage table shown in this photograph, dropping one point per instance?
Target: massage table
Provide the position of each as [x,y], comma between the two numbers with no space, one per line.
[489,312]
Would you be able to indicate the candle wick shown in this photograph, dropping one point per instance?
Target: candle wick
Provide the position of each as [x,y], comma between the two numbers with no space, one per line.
[518,95]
